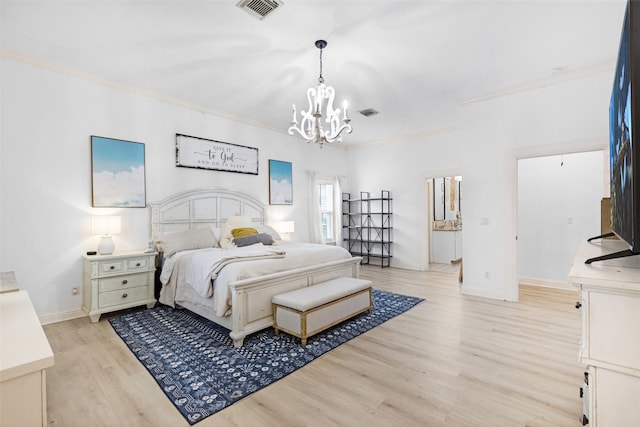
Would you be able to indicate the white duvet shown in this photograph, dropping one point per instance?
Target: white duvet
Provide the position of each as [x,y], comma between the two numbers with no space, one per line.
[210,271]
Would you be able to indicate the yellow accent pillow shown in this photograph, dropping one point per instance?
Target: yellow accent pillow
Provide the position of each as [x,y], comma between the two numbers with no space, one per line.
[234,221]
[243,232]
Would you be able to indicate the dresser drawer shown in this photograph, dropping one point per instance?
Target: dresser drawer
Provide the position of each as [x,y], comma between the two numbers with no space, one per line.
[141,264]
[124,265]
[123,282]
[124,296]
[611,327]
[112,266]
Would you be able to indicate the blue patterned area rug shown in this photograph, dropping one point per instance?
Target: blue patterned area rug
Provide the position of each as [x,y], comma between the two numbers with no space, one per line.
[200,371]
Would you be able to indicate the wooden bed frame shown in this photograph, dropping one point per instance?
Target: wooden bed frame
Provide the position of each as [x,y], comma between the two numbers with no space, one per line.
[251,298]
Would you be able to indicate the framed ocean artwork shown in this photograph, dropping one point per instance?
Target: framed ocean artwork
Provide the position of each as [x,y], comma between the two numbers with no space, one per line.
[280,183]
[117,173]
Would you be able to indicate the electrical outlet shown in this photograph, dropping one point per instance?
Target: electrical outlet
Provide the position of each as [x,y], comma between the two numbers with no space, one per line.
[74,291]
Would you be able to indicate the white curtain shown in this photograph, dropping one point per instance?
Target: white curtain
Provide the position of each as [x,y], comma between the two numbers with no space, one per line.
[315,221]
[337,210]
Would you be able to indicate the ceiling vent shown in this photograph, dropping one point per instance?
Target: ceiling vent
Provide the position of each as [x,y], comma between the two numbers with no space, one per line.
[369,112]
[259,8]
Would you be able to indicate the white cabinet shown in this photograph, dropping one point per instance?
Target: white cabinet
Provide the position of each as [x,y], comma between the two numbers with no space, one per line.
[447,246]
[25,354]
[610,344]
[118,281]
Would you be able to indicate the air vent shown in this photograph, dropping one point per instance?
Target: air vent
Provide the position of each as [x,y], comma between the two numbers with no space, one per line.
[369,112]
[259,8]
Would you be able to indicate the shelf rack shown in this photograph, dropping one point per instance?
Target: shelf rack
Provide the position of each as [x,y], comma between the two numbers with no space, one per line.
[367,226]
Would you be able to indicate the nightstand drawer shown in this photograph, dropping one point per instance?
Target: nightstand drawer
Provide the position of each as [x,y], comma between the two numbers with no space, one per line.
[125,296]
[138,264]
[112,266]
[123,282]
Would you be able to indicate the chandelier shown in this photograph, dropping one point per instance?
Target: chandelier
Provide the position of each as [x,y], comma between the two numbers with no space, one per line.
[312,126]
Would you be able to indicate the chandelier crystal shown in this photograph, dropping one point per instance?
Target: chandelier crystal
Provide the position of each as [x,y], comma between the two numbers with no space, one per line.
[312,125]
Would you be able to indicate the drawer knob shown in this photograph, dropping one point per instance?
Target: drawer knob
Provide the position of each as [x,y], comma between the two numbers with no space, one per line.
[138,265]
[125,281]
[112,267]
[124,295]
[578,304]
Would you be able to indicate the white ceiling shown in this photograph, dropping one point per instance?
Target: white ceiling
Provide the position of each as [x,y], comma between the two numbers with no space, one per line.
[414,61]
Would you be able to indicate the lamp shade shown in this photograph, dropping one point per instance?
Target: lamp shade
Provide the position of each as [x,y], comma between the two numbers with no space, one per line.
[287,227]
[105,225]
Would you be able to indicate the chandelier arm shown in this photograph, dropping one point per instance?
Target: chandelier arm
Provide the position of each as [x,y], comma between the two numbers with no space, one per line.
[293,129]
[312,94]
[338,136]
[330,95]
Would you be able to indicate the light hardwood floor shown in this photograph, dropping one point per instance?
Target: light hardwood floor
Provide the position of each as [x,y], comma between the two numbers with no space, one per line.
[453,360]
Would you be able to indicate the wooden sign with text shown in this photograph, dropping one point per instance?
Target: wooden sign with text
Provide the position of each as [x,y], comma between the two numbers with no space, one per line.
[200,153]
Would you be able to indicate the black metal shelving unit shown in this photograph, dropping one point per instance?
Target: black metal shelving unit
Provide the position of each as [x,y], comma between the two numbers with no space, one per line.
[368,227]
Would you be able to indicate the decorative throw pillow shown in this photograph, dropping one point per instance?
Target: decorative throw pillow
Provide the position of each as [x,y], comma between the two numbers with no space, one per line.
[252,239]
[244,231]
[234,221]
[185,240]
[269,230]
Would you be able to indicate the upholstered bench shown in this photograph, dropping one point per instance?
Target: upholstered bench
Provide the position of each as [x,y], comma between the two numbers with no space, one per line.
[305,312]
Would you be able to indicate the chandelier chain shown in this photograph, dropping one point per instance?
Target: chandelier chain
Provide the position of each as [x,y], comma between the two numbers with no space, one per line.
[321,79]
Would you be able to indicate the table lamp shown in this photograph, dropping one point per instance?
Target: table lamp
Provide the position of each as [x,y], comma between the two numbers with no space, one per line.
[286,228]
[105,226]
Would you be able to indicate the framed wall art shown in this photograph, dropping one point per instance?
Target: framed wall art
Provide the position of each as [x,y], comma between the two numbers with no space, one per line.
[280,183]
[200,153]
[117,173]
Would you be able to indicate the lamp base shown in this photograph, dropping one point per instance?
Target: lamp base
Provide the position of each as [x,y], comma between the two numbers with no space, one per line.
[106,245]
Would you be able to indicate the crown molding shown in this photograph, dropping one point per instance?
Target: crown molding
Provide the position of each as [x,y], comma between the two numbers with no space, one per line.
[553,79]
[399,138]
[115,84]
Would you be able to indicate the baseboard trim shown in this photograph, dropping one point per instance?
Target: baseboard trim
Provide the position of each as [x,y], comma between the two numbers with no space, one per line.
[481,292]
[402,265]
[546,283]
[61,317]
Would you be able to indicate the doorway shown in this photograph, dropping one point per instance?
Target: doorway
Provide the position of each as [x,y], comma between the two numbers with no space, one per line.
[558,207]
[444,224]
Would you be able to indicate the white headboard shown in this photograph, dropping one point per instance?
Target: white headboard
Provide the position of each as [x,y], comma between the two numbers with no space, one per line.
[202,207]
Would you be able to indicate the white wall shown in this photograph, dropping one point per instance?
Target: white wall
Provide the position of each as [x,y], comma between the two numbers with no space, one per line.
[558,207]
[45,172]
[488,138]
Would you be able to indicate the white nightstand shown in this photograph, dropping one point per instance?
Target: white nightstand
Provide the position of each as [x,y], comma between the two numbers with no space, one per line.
[118,281]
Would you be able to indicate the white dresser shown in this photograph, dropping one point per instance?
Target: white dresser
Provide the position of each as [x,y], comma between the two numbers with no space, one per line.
[610,343]
[118,281]
[25,354]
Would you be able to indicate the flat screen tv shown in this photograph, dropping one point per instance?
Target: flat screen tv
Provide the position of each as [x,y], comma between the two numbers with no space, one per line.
[624,126]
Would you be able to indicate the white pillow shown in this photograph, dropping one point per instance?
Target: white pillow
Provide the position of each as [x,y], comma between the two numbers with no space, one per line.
[216,232]
[234,221]
[185,240]
[268,230]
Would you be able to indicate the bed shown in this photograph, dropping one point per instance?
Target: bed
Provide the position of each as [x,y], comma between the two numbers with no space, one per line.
[249,294]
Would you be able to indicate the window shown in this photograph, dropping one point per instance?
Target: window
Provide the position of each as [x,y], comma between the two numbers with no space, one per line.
[327,210]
